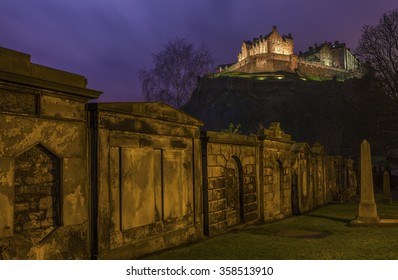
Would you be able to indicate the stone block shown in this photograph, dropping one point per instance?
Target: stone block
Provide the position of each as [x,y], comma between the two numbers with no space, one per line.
[62,108]
[268,171]
[213,229]
[46,202]
[212,160]
[46,223]
[17,102]
[214,149]
[252,160]
[221,160]
[226,150]
[249,188]
[19,207]
[50,213]
[268,216]
[269,205]
[221,182]
[223,226]
[213,184]
[217,205]
[32,224]
[216,171]
[216,194]
[250,198]
[40,215]
[216,217]
[250,169]
[250,207]
[251,217]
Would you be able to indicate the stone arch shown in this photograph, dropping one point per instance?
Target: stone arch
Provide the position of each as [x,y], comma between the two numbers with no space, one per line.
[234,192]
[37,184]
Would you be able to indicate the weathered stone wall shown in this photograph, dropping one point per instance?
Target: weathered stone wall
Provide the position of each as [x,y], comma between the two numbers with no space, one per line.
[316,69]
[119,180]
[44,176]
[230,183]
[148,178]
[276,164]
[267,177]
[321,178]
[266,63]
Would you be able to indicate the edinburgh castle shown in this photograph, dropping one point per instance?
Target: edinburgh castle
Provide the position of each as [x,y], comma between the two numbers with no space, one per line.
[275,52]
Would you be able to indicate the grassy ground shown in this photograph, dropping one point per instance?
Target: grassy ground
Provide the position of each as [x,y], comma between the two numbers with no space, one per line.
[265,241]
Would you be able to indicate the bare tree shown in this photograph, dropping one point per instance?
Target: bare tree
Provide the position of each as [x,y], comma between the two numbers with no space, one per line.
[378,47]
[175,72]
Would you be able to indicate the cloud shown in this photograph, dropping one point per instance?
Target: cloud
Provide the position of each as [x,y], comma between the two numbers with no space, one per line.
[109,41]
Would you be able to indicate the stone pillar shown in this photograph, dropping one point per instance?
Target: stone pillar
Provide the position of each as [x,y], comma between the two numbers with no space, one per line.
[367,212]
[386,199]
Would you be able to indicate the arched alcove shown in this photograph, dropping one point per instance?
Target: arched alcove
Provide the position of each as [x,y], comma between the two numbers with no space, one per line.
[36,193]
[234,192]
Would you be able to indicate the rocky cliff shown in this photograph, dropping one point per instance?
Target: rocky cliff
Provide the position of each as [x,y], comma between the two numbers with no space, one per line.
[337,114]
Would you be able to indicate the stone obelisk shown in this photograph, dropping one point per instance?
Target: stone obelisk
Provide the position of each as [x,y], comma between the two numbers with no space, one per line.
[367,212]
[386,199]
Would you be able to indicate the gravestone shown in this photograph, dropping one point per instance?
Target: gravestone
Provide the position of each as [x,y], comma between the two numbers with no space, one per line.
[367,212]
[386,199]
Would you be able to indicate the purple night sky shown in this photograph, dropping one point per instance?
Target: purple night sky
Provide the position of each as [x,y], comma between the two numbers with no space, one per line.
[108,41]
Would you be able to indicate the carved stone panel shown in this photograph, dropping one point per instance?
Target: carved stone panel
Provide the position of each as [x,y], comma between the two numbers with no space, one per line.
[12,102]
[37,187]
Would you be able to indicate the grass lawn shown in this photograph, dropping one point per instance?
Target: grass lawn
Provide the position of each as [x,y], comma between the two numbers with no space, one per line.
[269,241]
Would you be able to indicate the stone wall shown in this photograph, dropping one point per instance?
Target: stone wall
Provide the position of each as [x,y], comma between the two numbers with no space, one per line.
[267,177]
[318,70]
[120,180]
[266,63]
[230,181]
[147,186]
[276,169]
[321,178]
[44,176]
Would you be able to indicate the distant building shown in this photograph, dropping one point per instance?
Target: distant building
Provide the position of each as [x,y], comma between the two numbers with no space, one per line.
[335,55]
[275,52]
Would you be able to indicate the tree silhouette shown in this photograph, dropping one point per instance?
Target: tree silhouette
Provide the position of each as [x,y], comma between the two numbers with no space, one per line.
[378,48]
[175,72]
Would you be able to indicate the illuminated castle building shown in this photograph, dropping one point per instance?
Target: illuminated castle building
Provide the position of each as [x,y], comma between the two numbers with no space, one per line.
[275,52]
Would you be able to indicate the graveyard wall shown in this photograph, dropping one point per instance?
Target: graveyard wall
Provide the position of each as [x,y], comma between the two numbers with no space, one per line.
[147,178]
[120,180]
[230,180]
[276,167]
[44,175]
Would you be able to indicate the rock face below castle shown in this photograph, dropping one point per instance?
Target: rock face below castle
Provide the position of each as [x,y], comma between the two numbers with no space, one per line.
[274,52]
